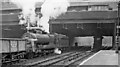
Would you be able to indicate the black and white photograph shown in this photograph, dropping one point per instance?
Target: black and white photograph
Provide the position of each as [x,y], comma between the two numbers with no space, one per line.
[60,33]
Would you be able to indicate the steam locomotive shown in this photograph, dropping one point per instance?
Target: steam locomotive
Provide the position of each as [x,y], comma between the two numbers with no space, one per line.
[33,42]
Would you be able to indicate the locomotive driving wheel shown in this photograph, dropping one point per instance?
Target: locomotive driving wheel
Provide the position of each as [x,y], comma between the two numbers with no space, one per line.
[29,47]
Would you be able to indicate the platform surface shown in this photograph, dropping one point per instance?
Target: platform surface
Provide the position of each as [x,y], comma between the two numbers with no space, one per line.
[103,57]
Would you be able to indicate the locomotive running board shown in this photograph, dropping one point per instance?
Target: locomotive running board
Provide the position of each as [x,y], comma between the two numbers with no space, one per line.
[29,28]
[32,39]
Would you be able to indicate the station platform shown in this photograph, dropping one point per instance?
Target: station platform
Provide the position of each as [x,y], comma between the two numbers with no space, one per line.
[103,58]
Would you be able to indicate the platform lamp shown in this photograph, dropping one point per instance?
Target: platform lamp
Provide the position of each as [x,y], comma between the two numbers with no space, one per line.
[117,30]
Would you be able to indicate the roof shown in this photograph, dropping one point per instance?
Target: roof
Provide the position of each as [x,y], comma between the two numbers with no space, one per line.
[9,6]
[93,0]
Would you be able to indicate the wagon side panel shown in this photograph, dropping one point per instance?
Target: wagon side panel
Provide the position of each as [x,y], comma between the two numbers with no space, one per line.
[13,45]
[0,46]
[5,46]
[22,46]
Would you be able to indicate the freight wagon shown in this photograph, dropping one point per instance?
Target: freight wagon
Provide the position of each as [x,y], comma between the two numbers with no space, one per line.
[12,49]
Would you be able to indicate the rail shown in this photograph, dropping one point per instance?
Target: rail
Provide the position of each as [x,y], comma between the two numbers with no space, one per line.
[64,59]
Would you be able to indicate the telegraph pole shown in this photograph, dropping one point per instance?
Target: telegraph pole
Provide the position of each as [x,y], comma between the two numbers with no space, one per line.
[117,28]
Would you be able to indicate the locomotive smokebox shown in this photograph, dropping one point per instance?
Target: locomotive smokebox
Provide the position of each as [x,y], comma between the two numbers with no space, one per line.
[42,39]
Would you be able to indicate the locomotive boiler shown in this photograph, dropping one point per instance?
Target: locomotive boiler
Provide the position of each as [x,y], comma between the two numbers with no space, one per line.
[42,39]
[37,40]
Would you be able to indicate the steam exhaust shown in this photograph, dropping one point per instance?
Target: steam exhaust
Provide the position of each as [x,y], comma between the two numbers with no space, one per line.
[57,51]
[50,9]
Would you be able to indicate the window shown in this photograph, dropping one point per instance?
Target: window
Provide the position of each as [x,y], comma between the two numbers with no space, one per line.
[98,8]
[78,8]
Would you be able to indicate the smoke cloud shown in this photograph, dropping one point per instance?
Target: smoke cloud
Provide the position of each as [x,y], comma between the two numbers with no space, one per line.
[51,9]
[28,8]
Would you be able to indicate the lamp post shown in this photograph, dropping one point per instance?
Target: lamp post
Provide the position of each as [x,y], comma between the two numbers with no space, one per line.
[117,30]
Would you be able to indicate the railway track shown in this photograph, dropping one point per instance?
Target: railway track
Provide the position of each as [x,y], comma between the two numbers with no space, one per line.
[48,59]
[72,60]
[43,58]
[64,59]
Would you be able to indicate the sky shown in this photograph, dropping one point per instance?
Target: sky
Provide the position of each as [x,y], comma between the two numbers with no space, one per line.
[94,0]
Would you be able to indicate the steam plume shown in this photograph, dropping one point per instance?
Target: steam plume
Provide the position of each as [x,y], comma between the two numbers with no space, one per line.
[28,8]
[51,9]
